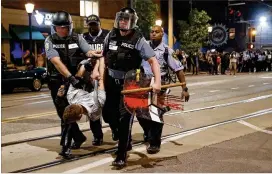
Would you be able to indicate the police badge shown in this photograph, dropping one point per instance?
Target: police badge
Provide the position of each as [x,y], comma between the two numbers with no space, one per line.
[46,46]
[175,56]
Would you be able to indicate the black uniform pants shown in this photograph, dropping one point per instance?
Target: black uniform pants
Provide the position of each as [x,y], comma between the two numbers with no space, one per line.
[73,131]
[96,128]
[116,115]
[153,130]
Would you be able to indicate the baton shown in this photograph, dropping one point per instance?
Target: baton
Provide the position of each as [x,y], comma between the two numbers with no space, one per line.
[150,88]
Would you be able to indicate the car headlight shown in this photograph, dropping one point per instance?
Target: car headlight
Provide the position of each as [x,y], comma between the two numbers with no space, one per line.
[44,75]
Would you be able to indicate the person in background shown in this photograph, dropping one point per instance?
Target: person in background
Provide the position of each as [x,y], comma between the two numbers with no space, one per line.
[3,61]
[29,60]
[40,61]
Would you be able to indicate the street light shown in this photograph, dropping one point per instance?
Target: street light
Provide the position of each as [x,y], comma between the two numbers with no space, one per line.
[210,29]
[158,22]
[29,9]
[262,19]
[262,24]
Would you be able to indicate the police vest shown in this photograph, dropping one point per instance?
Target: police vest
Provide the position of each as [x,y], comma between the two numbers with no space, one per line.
[121,52]
[97,43]
[69,52]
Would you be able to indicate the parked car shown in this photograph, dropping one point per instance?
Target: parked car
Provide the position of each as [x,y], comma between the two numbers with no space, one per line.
[13,78]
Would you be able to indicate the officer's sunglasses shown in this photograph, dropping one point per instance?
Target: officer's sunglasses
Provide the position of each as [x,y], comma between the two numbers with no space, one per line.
[155,31]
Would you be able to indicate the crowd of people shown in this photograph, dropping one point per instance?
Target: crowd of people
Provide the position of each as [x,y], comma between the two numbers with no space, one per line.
[221,62]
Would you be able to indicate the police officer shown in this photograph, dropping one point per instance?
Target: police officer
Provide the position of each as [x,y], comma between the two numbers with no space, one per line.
[63,50]
[95,38]
[167,59]
[124,50]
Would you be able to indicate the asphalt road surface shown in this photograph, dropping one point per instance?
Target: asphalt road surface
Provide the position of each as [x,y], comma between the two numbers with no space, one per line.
[243,145]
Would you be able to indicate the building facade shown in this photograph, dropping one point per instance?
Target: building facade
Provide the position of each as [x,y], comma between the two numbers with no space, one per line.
[15,21]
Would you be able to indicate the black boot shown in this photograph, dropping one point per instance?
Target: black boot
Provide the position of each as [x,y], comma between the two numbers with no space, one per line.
[97,141]
[120,161]
[77,145]
[65,152]
[153,149]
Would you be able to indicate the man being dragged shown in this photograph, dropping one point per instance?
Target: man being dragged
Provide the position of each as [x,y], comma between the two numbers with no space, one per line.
[83,102]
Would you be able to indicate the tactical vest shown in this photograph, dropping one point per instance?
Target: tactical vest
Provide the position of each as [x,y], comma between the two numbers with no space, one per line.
[121,52]
[69,52]
[96,44]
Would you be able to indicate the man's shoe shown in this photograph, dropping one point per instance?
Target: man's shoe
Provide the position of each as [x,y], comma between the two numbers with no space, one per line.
[97,141]
[66,153]
[76,145]
[129,148]
[153,149]
[120,161]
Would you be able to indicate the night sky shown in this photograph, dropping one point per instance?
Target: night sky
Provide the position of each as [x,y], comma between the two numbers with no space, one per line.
[215,9]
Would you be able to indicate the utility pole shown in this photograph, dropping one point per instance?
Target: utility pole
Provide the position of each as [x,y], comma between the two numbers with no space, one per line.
[130,3]
[170,23]
[191,5]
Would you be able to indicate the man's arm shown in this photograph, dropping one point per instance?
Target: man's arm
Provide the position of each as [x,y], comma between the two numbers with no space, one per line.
[176,65]
[148,54]
[155,66]
[181,77]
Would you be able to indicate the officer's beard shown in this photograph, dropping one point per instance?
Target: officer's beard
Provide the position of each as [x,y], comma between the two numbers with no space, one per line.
[94,32]
[155,43]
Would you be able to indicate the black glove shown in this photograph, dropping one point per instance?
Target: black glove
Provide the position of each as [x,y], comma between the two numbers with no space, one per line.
[75,81]
[87,63]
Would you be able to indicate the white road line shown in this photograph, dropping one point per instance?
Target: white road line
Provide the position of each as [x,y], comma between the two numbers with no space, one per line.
[254,127]
[214,90]
[235,88]
[89,166]
[266,77]
[251,86]
[266,83]
[221,105]
[139,149]
[38,102]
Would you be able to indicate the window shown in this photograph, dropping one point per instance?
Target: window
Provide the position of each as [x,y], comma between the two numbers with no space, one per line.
[88,7]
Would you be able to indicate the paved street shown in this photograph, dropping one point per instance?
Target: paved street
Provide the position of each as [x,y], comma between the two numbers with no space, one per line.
[241,145]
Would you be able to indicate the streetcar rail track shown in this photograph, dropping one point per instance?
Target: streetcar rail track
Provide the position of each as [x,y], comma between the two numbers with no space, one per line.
[138,143]
[168,114]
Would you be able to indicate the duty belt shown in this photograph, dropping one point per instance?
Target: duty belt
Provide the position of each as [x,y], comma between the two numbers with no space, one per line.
[116,74]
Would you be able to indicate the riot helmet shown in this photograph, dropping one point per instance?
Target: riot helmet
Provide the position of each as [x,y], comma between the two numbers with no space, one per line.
[61,19]
[126,19]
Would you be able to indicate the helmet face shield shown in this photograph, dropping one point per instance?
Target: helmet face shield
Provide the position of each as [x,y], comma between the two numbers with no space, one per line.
[62,19]
[54,30]
[125,21]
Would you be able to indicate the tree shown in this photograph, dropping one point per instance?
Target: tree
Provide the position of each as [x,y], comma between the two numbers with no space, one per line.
[146,11]
[194,33]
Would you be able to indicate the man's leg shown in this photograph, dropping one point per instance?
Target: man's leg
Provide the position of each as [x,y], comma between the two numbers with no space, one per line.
[125,127]
[145,124]
[110,111]
[66,140]
[155,137]
[96,128]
